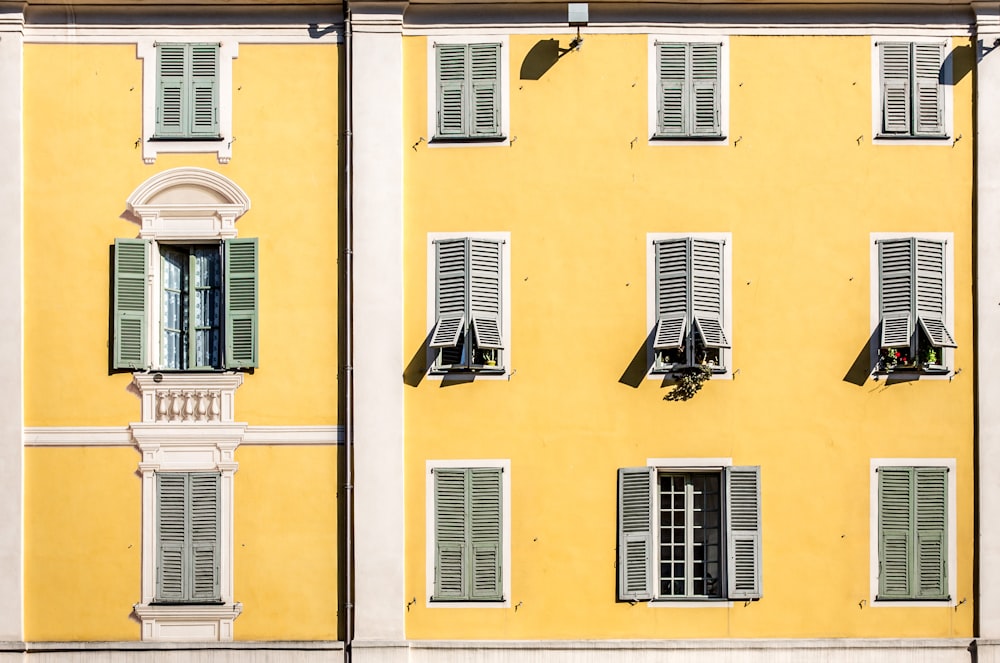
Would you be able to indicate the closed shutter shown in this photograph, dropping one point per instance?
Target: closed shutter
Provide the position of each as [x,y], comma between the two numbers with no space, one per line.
[895,259]
[485,292]
[172,102]
[129,345]
[743,533]
[486,529]
[930,295]
[672,285]
[450,534]
[204,91]
[635,533]
[672,92]
[895,68]
[895,531]
[485,75]
[452,105]
[171,536]
[204,559]
[705,89]
[707,292]
[241,302]
[451,292]
[929,96]
[931,520]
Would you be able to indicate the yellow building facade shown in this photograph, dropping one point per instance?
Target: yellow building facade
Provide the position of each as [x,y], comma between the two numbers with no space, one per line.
[501,332]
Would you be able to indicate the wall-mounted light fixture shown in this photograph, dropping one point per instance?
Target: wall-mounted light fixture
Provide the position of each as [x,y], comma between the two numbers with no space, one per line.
[579,15]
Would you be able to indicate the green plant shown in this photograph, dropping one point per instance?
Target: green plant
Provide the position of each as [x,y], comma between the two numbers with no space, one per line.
[688,381]
[489,356]
[931,356]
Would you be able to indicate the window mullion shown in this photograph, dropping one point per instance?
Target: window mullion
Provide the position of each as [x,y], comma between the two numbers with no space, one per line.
[688,536]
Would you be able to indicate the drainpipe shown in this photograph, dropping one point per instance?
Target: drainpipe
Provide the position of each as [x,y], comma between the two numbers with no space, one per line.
[348,343]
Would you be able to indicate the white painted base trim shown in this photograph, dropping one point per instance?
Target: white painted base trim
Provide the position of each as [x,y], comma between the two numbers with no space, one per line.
[120,436]
[950,650]
[186,623]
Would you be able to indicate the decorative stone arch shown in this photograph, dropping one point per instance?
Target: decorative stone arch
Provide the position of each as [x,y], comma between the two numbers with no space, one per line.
[188,204]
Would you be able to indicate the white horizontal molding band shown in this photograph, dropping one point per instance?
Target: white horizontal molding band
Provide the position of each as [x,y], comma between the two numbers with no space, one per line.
[260,34]
[818,29]
[120,436]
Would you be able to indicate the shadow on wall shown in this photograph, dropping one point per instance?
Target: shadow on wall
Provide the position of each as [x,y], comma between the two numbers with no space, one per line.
[540,59]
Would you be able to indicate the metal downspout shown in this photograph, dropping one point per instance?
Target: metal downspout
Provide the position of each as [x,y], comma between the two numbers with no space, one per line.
[348,342]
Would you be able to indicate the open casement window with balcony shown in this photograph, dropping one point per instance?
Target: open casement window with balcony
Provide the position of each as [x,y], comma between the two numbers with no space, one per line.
[689,534]
[913,331]
[187,92]
[203,301]
[468,305]
[690,308]
[468,527]
[913,533]
[912,93]
[187,537]
[688,90]
[468,91]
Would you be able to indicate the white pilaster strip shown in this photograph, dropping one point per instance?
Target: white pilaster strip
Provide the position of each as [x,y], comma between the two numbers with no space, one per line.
[987,105]
[11,317]
[378,320]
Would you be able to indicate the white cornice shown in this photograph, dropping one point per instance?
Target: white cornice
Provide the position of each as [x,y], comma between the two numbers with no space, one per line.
[120,436]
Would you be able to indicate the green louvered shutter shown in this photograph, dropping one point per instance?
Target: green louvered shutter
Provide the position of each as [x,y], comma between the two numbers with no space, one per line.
[204,523]
[896,261]
[451,525]
[129,346]
[930,296]
[672,286]
[172,101]
[451,292]
[895,68]
[931,520]
[635,533]
[452,66]
[484,69]
[895,532]
[705,89]
[928,97]
[485,532]
[241,302]
[485,295]
[672,89]
[707,305]
[743,533]
[204,113]
[171,536]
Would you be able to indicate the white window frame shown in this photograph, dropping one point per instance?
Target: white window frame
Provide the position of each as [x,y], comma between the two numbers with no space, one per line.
[947,96]
[504,238]
[652,82]
[947,354]
[727,295]
[173,208]
[683,465]
[505,91]
[873,532]
[505,562]
[222,147]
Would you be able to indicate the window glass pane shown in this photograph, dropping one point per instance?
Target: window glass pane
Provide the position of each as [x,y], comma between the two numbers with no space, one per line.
[207,305]
[174,278]
[690,535]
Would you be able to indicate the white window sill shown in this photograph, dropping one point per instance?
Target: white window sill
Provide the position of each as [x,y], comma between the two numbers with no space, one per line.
[188,623]
[691,603]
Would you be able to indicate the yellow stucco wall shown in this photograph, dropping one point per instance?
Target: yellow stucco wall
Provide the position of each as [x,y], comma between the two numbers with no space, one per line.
[83,115]
[801,187]
[82,505]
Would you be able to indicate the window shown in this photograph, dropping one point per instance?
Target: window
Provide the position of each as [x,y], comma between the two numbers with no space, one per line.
[690,302]
[914,549]
[912,86]
[913,303]
[468,533]
[688,90]
[207,312]
[469,318]
[187,91]
[187,97]
[187,537]
[467,101]
[689,533]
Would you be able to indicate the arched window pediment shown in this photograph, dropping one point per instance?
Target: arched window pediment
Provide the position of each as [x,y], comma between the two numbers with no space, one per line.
[188,203]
